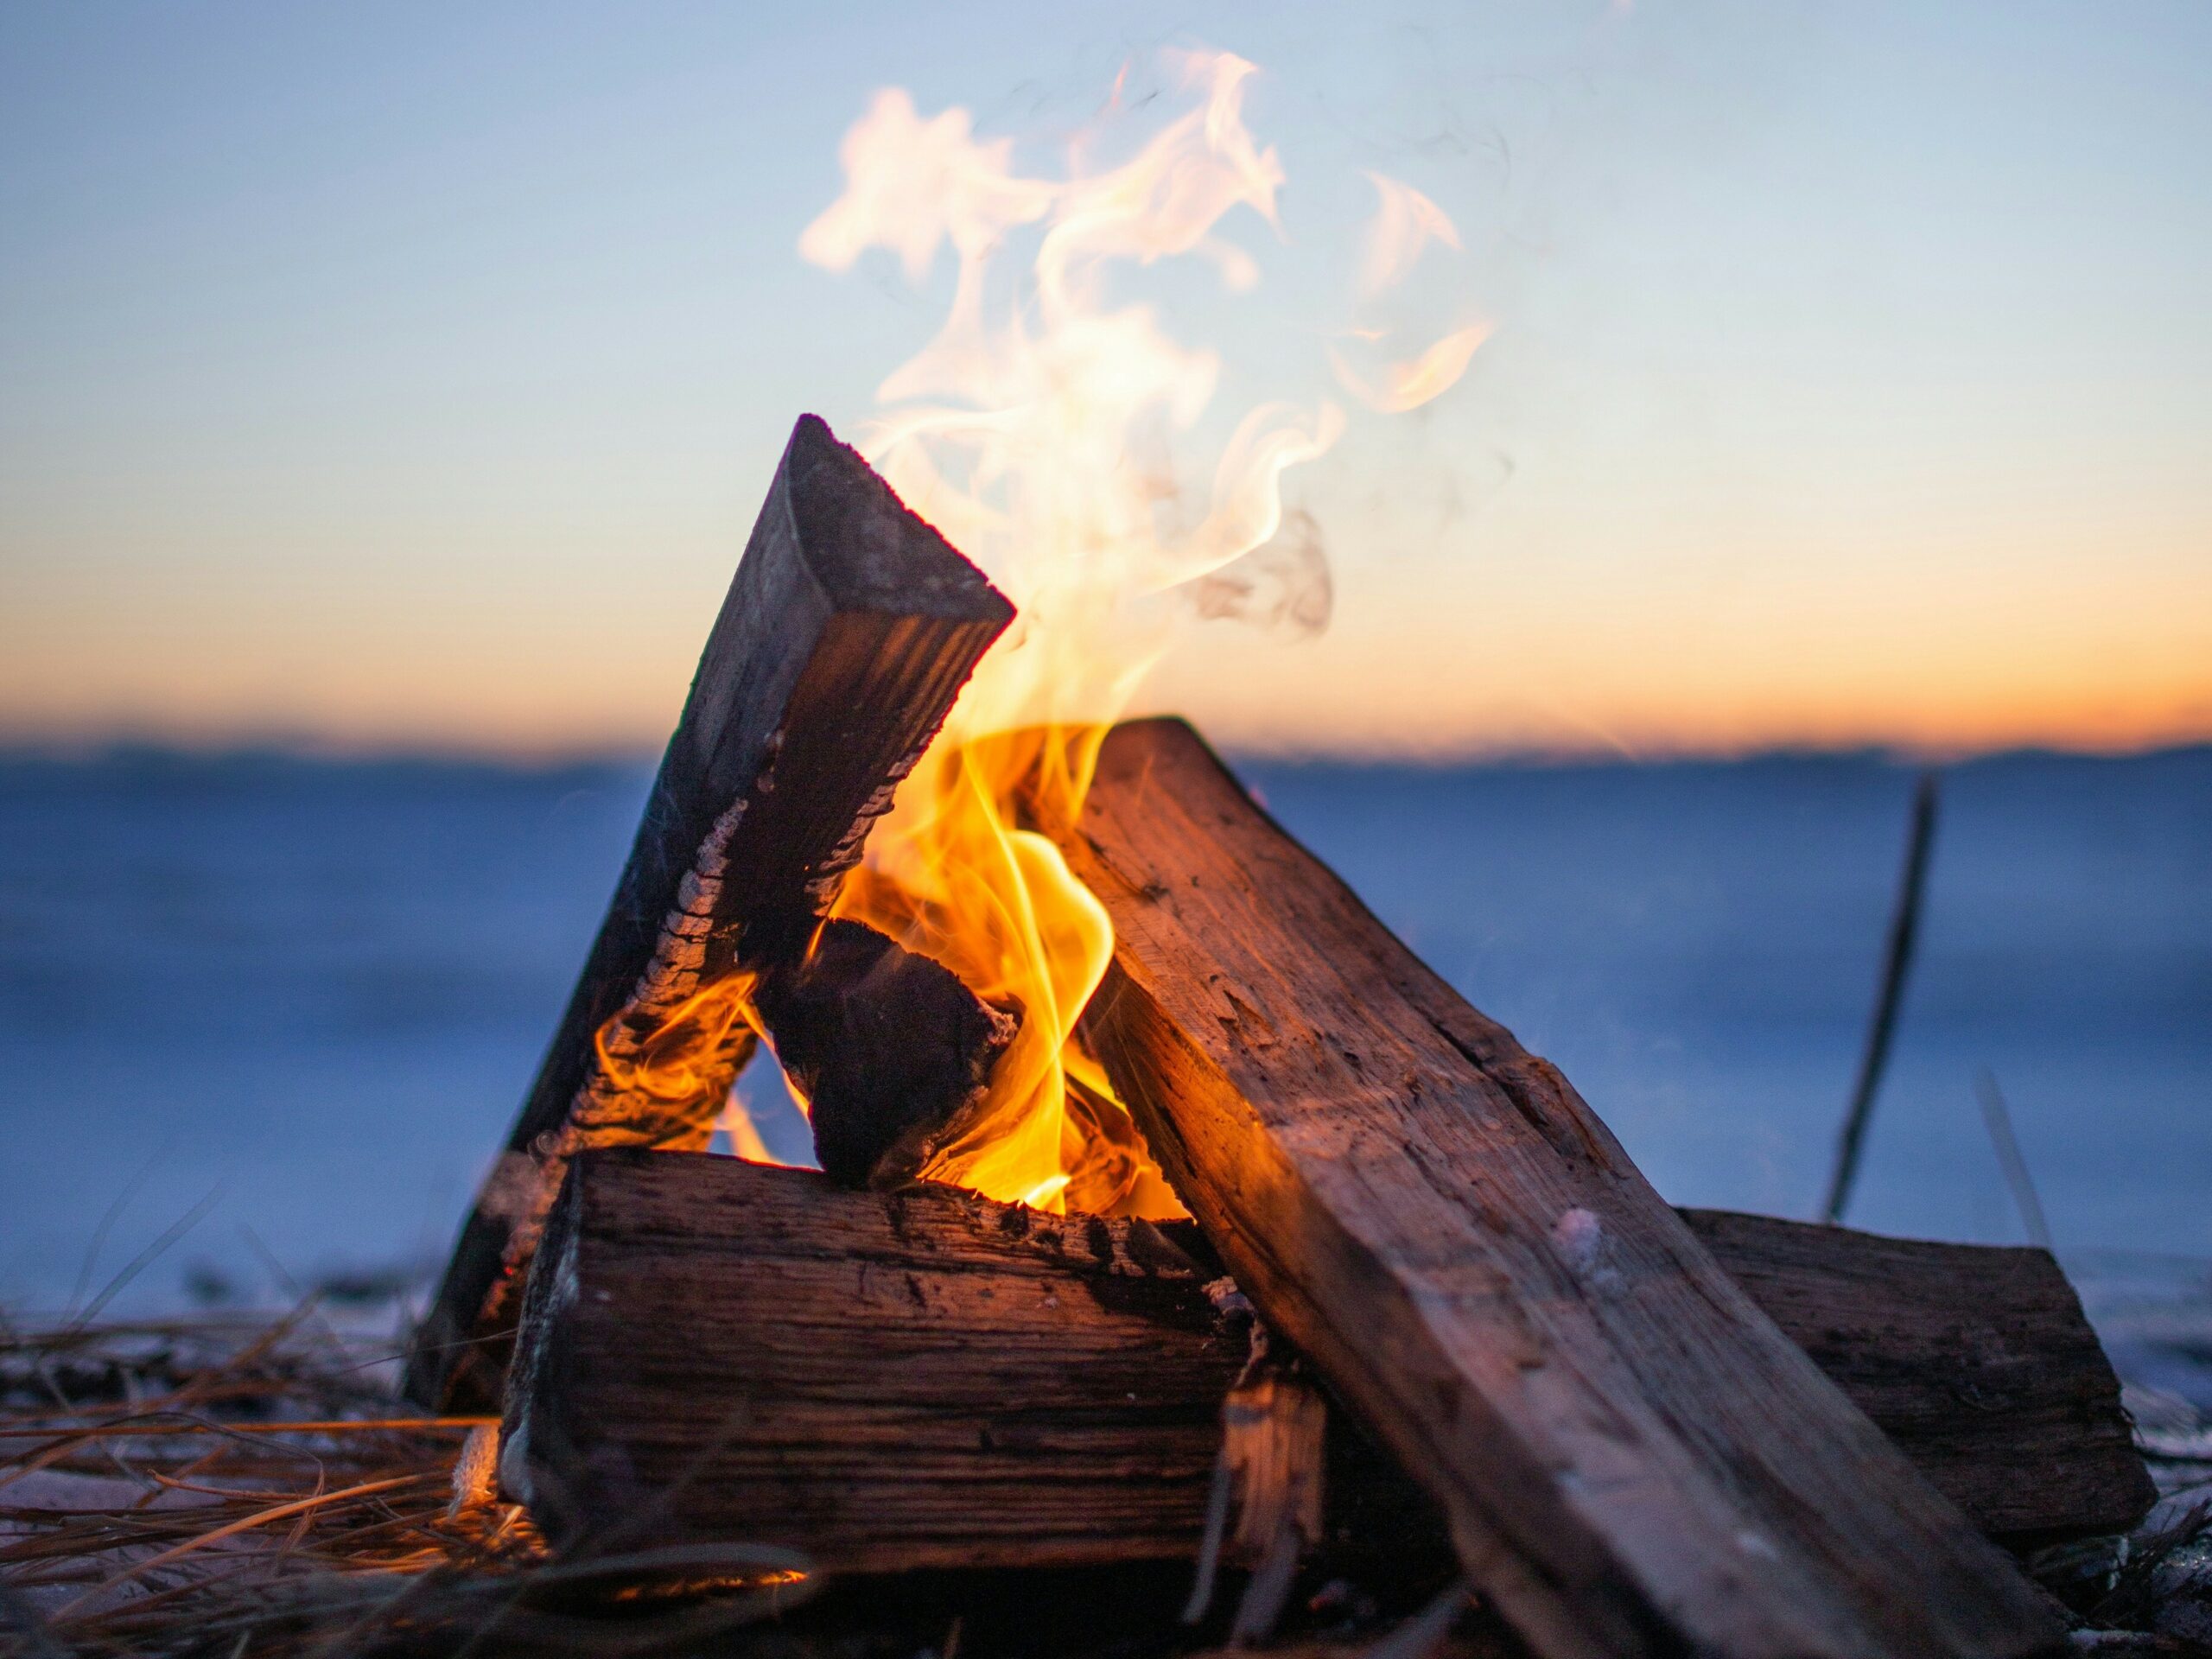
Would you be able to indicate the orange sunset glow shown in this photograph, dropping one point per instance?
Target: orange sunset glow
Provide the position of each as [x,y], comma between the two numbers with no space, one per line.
[1688,412]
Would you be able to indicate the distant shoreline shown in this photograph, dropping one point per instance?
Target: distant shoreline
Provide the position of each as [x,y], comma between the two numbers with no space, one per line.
[156,760]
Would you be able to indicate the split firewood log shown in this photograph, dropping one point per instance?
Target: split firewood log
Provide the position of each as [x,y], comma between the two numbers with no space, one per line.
[1632,1457]
[847,631]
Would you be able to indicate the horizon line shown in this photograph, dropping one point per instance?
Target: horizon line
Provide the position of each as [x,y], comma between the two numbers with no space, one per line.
[92,748]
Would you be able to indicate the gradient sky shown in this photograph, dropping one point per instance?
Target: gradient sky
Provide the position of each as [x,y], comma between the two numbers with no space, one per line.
[406,375]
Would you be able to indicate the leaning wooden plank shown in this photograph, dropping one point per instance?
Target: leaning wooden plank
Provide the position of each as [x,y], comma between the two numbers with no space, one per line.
[1634,1459]
[717,1349]
[848,630]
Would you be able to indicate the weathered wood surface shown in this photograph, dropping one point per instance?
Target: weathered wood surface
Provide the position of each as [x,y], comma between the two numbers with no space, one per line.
[1633,1459]
[925,1378]
[917,1378]
[888,1049]
[847,631]
[1976,1359]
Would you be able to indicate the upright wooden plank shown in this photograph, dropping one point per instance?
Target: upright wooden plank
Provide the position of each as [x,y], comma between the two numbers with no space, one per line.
[1634,1459]
[714,1349]
[849,628]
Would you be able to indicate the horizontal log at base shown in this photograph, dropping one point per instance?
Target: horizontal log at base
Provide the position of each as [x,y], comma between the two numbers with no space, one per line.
[919,1378]
[718,1349]
[1633,1459]
[1975,1359]
[847,631]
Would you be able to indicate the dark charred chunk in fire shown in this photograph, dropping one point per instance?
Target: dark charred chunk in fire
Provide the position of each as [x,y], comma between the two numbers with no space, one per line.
[889,1049]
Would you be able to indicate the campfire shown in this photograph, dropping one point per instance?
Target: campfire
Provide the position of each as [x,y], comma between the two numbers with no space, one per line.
[1169,1208]
[1323,1264]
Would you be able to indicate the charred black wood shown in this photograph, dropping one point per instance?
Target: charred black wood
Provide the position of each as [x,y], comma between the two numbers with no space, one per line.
[890,1050]
[847,631]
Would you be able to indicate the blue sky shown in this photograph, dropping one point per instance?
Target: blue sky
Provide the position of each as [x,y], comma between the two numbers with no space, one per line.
[409,375]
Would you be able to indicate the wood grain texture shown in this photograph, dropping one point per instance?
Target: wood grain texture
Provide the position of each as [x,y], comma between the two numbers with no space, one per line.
[785,1342]
[847,632]
[1633,1459]
[1975,1359]
[888,1381]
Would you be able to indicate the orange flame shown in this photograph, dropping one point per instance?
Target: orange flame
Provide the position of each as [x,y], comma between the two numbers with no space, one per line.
[958,880]
[675,1063]
[1016,432]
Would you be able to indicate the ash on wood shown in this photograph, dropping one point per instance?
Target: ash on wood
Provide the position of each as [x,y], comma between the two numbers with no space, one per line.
[718,1349]
[890,1050]
[1633,1459]
[847,631]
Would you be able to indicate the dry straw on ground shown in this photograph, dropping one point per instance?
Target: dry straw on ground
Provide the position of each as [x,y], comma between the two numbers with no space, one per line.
[228,1486]
[223,1486]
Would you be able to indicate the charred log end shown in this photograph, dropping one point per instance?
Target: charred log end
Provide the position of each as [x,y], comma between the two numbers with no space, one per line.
[889,1048]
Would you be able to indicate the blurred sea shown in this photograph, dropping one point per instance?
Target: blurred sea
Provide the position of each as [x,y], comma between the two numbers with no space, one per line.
[295,1001]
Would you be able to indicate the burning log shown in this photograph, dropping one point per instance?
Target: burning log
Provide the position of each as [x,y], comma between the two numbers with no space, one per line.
[890,1050]
[717,1350]
[847,631]
[1634,1459]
